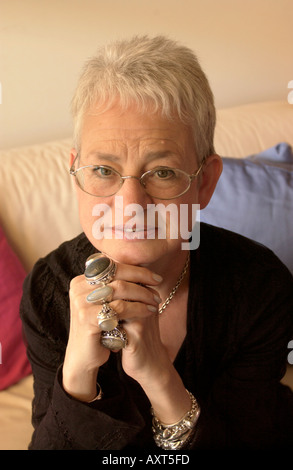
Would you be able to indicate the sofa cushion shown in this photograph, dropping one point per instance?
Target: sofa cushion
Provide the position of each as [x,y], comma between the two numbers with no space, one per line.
[14,364]
[38,209]
[249,129]
[254,197]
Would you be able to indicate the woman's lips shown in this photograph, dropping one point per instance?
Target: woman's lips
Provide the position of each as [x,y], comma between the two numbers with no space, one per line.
[133,233]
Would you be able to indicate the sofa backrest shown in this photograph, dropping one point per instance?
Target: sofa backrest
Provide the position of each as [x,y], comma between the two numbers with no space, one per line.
[38,208]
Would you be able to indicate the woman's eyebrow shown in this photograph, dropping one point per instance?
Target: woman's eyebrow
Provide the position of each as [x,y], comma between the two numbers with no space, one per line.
[149,156]
[157,154]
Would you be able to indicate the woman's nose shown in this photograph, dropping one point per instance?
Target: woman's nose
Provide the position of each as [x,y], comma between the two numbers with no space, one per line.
[133,192]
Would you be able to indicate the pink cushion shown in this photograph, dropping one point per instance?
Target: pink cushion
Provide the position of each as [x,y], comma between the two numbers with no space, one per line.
[14,364]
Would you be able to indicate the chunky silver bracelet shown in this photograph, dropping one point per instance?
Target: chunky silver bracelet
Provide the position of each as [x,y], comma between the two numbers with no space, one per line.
[175,436]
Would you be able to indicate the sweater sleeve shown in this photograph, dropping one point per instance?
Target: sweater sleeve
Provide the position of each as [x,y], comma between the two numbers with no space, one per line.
[60,421]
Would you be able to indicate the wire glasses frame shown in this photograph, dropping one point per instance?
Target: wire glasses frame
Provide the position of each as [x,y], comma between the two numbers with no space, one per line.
[142,179]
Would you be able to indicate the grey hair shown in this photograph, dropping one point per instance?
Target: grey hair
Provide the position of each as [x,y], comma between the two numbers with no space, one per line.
[155,74]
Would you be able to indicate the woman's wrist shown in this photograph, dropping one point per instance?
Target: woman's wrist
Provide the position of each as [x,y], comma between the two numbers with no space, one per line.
[174,409]
[176,435]
[168,396]
[82,386]
[99,394]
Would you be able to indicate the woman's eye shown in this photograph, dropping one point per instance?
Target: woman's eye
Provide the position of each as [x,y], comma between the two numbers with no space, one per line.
[103,171]
[164,173]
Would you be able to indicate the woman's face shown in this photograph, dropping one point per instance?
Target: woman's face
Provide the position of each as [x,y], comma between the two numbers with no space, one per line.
[133,143]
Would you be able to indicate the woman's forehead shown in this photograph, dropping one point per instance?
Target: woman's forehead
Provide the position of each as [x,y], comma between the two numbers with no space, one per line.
[118,133]
[143,142]
[115,124]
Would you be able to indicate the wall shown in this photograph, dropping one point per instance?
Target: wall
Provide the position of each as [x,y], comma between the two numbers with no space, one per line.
[245,47]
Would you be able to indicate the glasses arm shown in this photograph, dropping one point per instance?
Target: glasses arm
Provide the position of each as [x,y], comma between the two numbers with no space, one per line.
[194,175]
[72,170]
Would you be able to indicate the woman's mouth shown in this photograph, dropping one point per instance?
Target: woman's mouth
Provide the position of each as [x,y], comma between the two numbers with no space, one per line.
[134,233]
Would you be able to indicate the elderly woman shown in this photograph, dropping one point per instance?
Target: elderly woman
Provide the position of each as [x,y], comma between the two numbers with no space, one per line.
[135,342]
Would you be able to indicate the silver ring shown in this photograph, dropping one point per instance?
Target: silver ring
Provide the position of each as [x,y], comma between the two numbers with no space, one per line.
[115,339]
[101,295]
[107,318]
[99,269]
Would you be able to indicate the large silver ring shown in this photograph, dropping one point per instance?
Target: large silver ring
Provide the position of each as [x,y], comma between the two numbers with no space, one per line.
[115,339]
[107,318]
[99,269]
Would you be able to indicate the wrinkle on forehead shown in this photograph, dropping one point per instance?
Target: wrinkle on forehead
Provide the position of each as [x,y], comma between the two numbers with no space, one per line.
[122,124]
[114,150]
[130,133]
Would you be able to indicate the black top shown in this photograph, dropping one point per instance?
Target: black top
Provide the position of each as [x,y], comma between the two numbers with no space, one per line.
[239,323]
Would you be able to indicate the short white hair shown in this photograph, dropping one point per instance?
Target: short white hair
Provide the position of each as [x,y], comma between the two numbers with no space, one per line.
[156,74]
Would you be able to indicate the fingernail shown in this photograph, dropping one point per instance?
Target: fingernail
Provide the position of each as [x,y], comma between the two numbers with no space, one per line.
[157,299]
[151,308]
[157,277]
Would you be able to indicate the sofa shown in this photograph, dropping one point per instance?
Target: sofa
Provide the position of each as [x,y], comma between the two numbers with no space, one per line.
[38,211]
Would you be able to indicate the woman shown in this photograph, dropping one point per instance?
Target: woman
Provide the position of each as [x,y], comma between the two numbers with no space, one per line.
[151,345]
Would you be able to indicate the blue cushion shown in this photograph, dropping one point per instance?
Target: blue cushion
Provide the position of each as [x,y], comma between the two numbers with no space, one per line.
[254,197]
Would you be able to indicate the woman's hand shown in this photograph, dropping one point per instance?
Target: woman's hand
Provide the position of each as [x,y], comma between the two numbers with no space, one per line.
[84,353]
[145,358]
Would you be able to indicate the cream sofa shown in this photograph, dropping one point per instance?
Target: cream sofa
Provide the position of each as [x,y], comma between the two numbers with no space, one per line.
[38,211]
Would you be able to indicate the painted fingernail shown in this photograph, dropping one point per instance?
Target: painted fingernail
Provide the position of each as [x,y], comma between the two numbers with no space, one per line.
[157,277]
[157,299]
[151,308]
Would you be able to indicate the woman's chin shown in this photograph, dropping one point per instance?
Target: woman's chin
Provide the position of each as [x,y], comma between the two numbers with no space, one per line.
[134,251]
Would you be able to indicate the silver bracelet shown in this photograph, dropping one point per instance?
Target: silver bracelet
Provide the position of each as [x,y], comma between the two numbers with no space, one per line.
[98,397]
[175,436]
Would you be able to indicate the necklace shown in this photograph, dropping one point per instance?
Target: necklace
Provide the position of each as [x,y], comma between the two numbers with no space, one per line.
[175,288]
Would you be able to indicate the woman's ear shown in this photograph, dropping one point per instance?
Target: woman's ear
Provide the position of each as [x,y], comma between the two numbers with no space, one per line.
[73,154]
[211,173]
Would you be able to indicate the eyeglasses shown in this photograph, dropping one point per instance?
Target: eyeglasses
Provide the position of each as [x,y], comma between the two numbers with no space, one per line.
[161,182]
